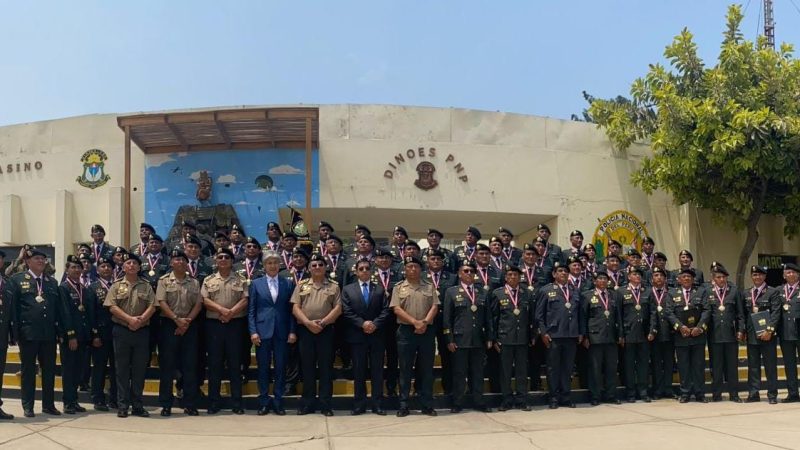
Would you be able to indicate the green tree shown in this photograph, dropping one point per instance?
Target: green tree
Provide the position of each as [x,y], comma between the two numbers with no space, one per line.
[724,138]
[638,114]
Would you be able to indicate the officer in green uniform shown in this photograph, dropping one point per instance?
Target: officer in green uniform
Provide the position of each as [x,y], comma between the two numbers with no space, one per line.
[39,317]
[297,273]
[510,253]
[638,315]
[117,259]
[103,363]
[575,244]
[249,267]
[513,309]
[324,230]
[441,280]
[532,278]
[789,336]
[467,251]
[602,318]
[434,238]
[663,346]
[178,296]
[154,261]
[316,304]
[544,261]
[100,248]
[688,313]
[131,302]
[335,257]
[387,276]
[288,244]
[274,233]
[415,303]
[145,230]
[685,259]
[6,337]
[399,238]
[467,326]
[81,305]
[196,265]
[497,258]
[552,252]
[725,303]
[237,242]
[761,348]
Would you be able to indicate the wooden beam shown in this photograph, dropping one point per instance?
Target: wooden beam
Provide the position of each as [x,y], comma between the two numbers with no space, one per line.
[222,132]
[294,113]
[309,173]
[150,119]
[179,118]
[126,227]
[234,146]
[178,136]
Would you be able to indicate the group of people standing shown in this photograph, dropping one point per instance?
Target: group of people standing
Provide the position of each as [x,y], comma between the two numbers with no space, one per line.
[489,310]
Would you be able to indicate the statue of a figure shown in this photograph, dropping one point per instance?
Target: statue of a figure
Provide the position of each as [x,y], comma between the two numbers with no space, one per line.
[204,188]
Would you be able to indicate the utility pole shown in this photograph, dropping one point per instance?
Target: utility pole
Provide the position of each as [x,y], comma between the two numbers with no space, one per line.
[769,23]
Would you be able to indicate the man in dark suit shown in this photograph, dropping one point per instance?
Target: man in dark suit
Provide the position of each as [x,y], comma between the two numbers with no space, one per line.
[365,307]
[272,328]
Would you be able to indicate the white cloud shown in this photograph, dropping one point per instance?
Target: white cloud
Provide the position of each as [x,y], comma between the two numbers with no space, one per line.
[181,194]
[285,169]
[259,190]
[293,204]
[226,179]
[149,212]
[158,159]
[196,175]
[162,190]
[242,203]
[273,189]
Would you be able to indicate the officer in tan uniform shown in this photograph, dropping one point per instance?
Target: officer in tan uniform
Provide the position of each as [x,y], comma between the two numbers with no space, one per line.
[316,303]
[225,298]
[415,303]
[178,296]
[131,302]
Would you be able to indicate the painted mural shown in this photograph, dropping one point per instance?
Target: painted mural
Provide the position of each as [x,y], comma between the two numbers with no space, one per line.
[250,185]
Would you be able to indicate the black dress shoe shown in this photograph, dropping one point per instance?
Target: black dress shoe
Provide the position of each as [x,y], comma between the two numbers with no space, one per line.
[631,400]
[429,412]
[669,395]
[140,412]
[525,407]
[304,411]
[553,404]
[594,402]
[613,401]
[684,399]
[79,408]
[212,410]
[716,398]
[279,411]
[166,412]
[357,412]
[28,413]
[568,404]
[263,411]
[753,398]
[735,399]
[402,412]
[52,411]
[122,413]
[773,401]
[69,409]
[100,407]
[327,412]
[379,411]
[701,399]
[791,399]
[112,405]
[483,408]
[238,411]
[191,412]
[646,399]
[5,416]
[83,388]
[455,410]
[504,407]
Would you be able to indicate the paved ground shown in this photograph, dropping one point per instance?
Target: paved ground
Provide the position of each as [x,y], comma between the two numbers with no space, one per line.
[663,424]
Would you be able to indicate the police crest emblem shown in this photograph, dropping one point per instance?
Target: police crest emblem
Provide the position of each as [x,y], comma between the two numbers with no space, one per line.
[94,174]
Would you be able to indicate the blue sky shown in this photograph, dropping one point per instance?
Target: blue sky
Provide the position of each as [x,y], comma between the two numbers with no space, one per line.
[64,58]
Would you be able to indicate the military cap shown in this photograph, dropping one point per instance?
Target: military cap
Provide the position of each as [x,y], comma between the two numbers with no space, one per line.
[289,235]
[633,252]
[223,250]
[530,247]
[335,238]
[686,253]
[155,237]
[467,263]
[437,252]
[119,249]
[600,273]
[399,229]
[363,228]
[436,232]
[660,255]
[317,257]
[481,247]
[273,225]
[86,257]
[322,224]
[791,266]
[148,226]
[719,268]
[382,251]
[221,234]
[612,257]
[131,256]
[540,240]
[635,269]
[300,252]
[687,271]
[84,246]
[72,259]
[505,230]
[557,265]
[758,269]
[178,253]
[576,233]
[648,240]
[103,260]
[511,268]
[658,270]
[574,259]
[494,239]
[614,242]
[97,228]
[410,243]
[236,227]
[475,232]
[189,224]
[192,239]
[542,226]
[252,240]
[412,260]
[585,246]
[369,238]
[33,251]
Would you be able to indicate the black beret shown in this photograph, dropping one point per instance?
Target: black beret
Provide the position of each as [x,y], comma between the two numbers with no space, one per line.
[686,253]
[155,237]
[119,249]
[530,247]
[494,239]
[72,259]
[467,263]
[511,268]
[177,253]
[289,235]
[719,268]
[369,238]
[791,266]
[658,270]
[382,251]
[98,228]
[659,255]
[574,259]
[147,226]
[86,257]
[576,233]
[412,260]
[363,228]
[758,269]
[226,251]
[33,251]
[84,245]
[189,223]
[410,243]
[335,238]
[585,246]
[131,256]
[687,271]
[633,252]
[299,251]
[505,230]
[557,265]
[402,230]
[540,240]
[614,242]
[252,240]
[236,227]
[481,247]
[475,232]
[192,239]
[636,269]
[318,257]
[542,226]
[612,257]
[271,225]
[600,273]
[221,234]
[322,224]
[437,252]
[436,232]
[103,260]
[648,240]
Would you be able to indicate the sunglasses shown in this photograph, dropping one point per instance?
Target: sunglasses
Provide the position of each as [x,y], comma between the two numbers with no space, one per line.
[363,269]
[223,257]
[250,246]
[467,270]
[316,265]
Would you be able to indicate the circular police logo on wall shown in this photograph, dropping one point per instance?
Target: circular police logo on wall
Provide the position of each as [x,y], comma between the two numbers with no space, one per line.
[94,173]
[622,226]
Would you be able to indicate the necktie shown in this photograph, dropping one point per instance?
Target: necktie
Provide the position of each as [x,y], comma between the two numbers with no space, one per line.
[469,289]
[334,259]
[384,276]
[194,266]
[365,292]
[436,277]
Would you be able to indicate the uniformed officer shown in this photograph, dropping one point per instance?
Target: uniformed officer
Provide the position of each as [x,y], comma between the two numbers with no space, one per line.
[5,333]
[552,252]
[178,296]
[487,276]
[294,276]
[225,299]
[441,280]
[685,259]
[131,302]
[120,254]
[688,312]
[581,285]
[399,238]
[467,326]
[388,277]
[325,229]
[100,248]
[590,266]
[616,274]
[558,319]
[434,238]
[544,261]
[638,314]
[196,265]
[725,303]
[790,313]
[359,231]
[575,244]
[467,251]
[602,317]
[274,237]
[39,317]
[237,242]
[154,261]
[532,278]
[761,347]
[513,308]
[337,267]
[648,257]
[663,346]
[615,248]
[496,256]
[415,303]
[81,305]
[145,230]
[288,244]
[316,304]
[512,254]
[103,362]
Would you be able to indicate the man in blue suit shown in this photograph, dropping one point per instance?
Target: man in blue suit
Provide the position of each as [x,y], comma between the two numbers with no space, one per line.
[365,307]
[272,328]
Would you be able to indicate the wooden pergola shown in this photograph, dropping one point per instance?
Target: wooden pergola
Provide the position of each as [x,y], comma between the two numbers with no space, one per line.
[230,129]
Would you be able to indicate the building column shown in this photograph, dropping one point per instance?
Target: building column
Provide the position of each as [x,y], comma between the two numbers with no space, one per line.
[10,213]
[63,229]
[116,216]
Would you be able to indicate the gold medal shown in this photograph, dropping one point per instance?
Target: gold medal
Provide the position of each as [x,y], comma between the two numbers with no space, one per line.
[607,313]
[333,274]
[516,311]
[39,298]
[721,307]
[152,273]
[568,305]
[486,287]
[660,308]
[474,308]
[686,308]
[638,307]
[81,308]
[755,309]
[247,283]
[786,307]
[530,287]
